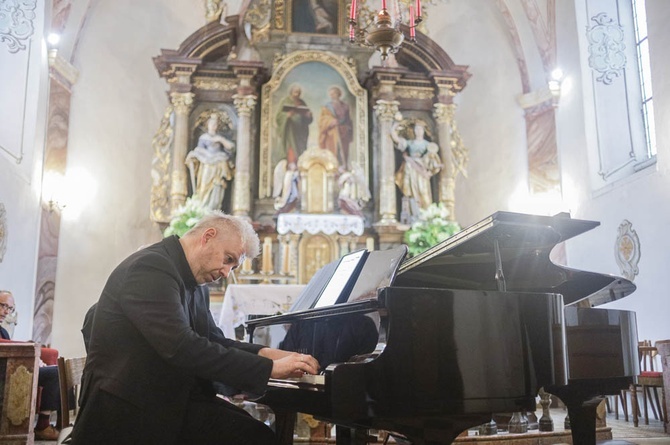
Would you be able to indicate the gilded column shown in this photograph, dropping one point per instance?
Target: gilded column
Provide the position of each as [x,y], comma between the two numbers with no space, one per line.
[242,195]
[386,111]
[182,103]
[444,116]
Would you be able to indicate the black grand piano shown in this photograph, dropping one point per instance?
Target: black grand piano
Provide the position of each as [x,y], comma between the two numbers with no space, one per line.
[473,326]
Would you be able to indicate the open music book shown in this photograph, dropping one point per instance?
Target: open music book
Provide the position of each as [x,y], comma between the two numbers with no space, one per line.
[356,276]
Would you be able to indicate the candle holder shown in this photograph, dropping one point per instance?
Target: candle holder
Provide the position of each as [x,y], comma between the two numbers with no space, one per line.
[383,33]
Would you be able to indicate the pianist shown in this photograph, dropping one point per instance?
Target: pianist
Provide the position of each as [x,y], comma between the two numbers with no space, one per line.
[154,349]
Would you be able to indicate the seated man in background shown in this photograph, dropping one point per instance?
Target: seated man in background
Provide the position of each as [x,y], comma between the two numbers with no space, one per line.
[47,379]
[154,350]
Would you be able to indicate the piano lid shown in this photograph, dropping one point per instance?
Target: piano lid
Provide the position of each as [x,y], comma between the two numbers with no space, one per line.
[522,244]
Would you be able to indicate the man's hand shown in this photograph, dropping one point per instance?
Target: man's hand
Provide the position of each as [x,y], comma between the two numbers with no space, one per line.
[289,364]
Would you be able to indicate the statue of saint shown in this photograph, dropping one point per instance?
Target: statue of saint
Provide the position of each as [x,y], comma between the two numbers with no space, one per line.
[211,166]
[421,160]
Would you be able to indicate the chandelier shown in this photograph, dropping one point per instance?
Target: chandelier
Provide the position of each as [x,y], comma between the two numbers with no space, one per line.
[384,34]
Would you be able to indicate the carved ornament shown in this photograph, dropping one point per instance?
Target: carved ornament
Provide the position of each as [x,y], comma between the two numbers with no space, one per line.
[244,104]
[444,113]
[606,48]
[627,250]
[279,14]
[160,167]
[16,23]
[20,391]
[258,16]
[182,102]
[204,83]
[386,110]
[415,93]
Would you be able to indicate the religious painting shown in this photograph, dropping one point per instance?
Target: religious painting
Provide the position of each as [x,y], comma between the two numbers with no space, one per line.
[315,16]
[313,103]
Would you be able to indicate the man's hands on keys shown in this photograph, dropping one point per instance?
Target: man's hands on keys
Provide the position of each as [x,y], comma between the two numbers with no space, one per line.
[289,364]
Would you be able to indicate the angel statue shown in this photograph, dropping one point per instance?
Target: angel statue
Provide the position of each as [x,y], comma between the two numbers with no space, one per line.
[211,165]
[286,186]
[421,160]
[354,193]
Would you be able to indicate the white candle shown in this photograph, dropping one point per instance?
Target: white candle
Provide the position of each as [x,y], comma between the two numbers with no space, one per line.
[370,243]
[246,266]
[267,255]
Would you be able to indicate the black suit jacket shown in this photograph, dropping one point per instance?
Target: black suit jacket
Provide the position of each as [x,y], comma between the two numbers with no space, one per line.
[153,346]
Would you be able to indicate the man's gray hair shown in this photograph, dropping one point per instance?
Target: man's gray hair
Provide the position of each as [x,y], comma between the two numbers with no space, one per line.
[223,222]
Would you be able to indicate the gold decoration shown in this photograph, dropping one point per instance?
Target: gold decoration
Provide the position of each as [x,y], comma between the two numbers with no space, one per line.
[258,16]
[19,398]
[182,102]
[415,93]
[214,10]
[244,104]
[386,110]
[627,250]
[445,113]
[279,14]
[160,168]
[206,83]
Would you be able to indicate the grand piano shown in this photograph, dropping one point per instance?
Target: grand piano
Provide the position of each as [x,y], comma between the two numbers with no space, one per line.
[473,326]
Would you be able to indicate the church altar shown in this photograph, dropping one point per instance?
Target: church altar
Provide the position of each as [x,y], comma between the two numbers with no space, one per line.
[242,300]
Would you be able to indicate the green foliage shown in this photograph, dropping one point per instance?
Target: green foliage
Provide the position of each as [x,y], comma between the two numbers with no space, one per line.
[431,228]
[186,217]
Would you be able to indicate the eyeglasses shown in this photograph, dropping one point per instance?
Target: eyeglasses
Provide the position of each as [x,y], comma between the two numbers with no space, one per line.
[7,308]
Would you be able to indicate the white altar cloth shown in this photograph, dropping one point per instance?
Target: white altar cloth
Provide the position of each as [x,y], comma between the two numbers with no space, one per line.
[315,223]
[241,300]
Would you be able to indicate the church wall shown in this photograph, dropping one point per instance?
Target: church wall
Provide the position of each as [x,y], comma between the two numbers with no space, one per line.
[22,114]
[489,119]
[641,198]
[116,107]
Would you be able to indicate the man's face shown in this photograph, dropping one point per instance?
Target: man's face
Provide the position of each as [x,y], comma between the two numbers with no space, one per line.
[6,305]
[218,254]
[334,94]
[295,93]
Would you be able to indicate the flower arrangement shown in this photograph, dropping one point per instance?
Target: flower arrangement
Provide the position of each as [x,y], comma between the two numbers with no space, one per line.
[186,217]
[431,228]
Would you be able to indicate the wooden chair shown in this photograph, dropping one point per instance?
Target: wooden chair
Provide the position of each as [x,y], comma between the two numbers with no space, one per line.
[650,381]
[69,373]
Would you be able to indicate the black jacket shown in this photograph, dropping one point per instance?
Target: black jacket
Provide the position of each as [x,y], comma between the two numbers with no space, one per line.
[153,345]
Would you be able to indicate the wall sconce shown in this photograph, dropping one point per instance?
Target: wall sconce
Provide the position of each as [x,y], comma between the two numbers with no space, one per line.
[53,188]
[555,80]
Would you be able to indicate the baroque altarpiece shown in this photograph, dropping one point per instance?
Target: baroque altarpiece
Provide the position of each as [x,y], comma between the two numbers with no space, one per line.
[274,116]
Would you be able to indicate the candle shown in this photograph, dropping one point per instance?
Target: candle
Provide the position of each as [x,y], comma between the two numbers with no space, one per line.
[285,260]
[267,255]
[383,4]
[418,8]
[352,13]
[246,266]
[370,243]
[412,29]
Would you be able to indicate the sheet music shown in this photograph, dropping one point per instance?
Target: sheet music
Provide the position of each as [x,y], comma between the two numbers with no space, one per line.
[341,278]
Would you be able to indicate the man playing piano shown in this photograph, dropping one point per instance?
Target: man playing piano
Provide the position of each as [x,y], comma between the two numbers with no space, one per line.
[154,349]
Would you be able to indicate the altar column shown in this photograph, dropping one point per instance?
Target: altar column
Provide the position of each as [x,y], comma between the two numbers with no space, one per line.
[242,196]
[182,103]
[386,111]
[444,115]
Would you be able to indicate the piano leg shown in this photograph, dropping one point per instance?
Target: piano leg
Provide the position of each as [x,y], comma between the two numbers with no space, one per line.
[582,419]
[284,425]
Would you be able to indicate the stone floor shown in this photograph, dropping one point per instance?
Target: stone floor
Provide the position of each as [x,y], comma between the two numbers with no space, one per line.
[623,433]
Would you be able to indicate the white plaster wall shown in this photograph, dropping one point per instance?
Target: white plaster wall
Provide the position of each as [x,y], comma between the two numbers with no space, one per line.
[23,89]
[117,104]
[641,199]
[488,117]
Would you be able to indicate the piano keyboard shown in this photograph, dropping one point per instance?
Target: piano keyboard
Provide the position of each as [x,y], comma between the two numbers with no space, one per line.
[307,381]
